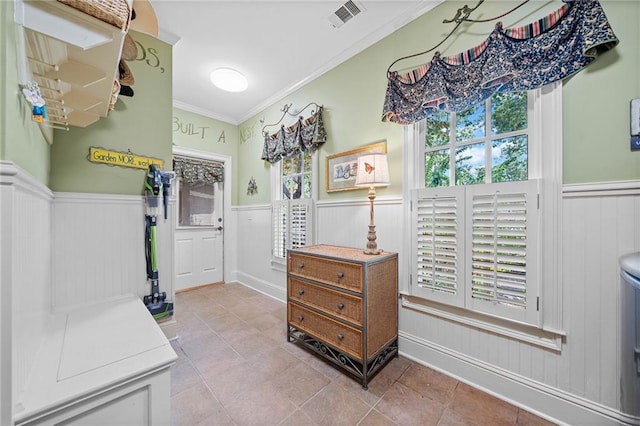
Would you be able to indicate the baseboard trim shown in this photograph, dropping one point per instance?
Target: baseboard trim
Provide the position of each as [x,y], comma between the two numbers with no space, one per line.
[547,402]
[261,286]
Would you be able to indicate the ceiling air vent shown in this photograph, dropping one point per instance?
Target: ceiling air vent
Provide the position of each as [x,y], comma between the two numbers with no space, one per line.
[345,13]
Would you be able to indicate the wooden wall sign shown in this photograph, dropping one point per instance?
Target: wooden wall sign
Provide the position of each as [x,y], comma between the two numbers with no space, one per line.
[122,159]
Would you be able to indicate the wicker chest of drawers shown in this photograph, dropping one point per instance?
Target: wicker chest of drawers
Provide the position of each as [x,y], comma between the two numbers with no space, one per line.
[342,304]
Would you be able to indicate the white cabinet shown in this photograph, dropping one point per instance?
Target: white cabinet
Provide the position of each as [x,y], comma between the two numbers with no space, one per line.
[73,56]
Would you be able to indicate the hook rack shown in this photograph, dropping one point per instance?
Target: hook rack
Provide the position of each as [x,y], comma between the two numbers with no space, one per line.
[285,111]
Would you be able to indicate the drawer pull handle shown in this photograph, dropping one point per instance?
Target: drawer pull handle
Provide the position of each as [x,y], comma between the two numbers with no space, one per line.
[340,337]
[300,265]
[300,318]
[340,305]
[301,291]
[340,274]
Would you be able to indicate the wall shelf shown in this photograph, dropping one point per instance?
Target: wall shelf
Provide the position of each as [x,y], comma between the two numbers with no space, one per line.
[73,57]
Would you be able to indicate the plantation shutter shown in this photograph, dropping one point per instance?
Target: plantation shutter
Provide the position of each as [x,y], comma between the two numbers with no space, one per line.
[438,244]
[502,249]
[280,218]
[300,224]
[291,225]
[476,247]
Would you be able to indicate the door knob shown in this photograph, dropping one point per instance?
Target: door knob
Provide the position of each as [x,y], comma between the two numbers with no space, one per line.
[219,228]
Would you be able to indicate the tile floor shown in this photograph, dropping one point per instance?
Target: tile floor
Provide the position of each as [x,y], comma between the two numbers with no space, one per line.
[235,367]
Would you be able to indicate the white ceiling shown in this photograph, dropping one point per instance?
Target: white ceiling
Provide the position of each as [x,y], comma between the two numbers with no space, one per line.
[278,45]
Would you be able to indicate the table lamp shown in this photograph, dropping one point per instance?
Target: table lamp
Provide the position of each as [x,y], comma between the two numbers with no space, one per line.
[373,172]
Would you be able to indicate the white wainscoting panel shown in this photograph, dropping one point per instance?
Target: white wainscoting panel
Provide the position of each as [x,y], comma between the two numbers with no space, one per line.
[346,223]
[253,261]
[25,294]
[598,227]
[99,251]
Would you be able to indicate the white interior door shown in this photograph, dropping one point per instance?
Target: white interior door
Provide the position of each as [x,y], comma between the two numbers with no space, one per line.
[199,244]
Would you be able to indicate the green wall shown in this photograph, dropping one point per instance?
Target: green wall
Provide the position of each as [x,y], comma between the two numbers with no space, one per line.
[21,140]
[140,124]
[199,132]
[596,106]
[595,101]
[595,110]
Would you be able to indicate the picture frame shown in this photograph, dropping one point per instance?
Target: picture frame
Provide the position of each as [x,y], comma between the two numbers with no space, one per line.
[341,168]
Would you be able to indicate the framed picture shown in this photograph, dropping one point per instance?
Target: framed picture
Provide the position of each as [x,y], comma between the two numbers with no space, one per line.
[343,167]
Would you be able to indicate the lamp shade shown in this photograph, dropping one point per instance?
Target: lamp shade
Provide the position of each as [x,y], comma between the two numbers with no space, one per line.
[373,170]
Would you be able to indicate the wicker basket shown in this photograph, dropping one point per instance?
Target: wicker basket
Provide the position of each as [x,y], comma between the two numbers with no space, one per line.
[114,12]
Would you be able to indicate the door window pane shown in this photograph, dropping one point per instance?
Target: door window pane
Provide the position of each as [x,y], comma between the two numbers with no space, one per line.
[196,202]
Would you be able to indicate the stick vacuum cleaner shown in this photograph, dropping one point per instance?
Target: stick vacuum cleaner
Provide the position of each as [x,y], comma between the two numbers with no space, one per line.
[156,182]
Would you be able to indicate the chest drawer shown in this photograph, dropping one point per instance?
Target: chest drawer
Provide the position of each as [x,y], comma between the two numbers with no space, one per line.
[333,272]
[332,302]
[341,336]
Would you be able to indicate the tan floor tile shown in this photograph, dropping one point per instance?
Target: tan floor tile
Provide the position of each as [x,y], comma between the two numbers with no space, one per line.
[252,346]
[194,405]
[221,358]
[247,310]
[298,418]
[264,321]
[268,304]
[211,311]
[230,383]
[429,382]
[324,366]
[203,347]
[475,405]
[274,361]
[450,418]
[237,331]
[375,418]
[263,405]
[220,323]
[300,382]
[333,405]
[299,352]
[183,376]
[191,327]
[405,406]
[276,332]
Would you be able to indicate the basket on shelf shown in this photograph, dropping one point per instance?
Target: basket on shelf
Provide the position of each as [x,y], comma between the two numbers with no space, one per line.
[114,12]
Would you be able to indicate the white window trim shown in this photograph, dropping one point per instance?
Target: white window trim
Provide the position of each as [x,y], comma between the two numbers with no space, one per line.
[546,165]
[278,263]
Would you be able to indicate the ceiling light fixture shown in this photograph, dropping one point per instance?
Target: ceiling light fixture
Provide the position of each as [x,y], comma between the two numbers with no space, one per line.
[229,79]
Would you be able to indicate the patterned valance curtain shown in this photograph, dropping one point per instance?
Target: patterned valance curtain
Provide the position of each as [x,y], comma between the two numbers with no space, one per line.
[550,49]
[193,171]
[305,135]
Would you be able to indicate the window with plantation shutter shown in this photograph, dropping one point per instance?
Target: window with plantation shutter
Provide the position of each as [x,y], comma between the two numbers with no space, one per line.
[476,247]
[484,221]
[292,204]
[438,242]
